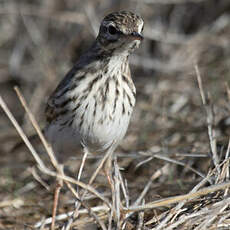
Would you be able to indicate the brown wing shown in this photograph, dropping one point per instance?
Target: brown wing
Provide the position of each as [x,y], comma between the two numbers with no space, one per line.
[50,111]
[57,100]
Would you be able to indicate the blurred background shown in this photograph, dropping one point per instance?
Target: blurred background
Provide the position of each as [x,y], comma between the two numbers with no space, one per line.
[40,40]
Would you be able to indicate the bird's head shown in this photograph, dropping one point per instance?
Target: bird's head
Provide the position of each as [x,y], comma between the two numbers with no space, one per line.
[121,32]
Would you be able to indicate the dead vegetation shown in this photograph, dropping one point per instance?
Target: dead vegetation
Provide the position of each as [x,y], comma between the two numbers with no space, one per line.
[174,161]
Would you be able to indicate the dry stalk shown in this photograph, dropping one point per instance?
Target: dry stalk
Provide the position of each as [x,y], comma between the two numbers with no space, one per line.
[155,175]
[38,178]
[210,121]
[141,219]
[59,185]
[64,216]
[48,148]
[175,199]
[158,156]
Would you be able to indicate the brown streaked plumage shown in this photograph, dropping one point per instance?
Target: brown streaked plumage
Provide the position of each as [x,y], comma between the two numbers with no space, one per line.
[92,105]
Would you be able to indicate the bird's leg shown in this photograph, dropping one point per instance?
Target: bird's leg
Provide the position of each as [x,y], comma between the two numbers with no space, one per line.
[108,168]
[112,172]
[86,153]
[108,165]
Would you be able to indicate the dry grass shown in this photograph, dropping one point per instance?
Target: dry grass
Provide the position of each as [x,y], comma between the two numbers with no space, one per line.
[172,169]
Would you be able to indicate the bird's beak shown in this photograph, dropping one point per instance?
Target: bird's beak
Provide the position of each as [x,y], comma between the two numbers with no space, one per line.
[136,36]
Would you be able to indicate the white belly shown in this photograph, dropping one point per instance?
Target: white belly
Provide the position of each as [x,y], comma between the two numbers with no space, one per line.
[96,128]
[97,136]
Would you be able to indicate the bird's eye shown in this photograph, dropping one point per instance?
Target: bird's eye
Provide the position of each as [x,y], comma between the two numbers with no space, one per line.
[112,30]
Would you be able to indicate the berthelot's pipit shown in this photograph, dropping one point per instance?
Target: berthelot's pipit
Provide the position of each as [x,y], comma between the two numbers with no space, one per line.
[93,104]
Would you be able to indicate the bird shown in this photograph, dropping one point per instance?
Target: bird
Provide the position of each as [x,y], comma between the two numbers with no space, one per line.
[93,104]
